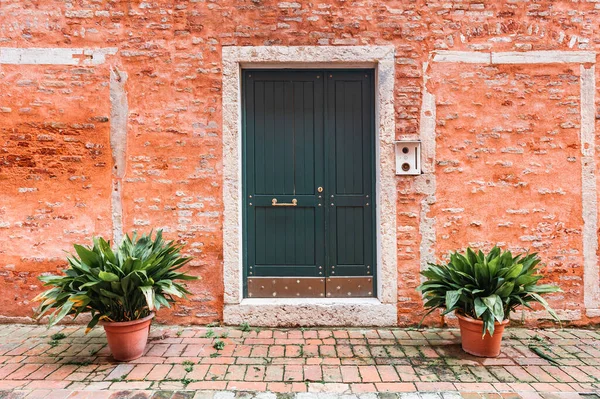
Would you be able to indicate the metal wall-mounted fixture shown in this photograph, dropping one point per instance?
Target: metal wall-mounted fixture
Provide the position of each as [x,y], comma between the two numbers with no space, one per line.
[408,157]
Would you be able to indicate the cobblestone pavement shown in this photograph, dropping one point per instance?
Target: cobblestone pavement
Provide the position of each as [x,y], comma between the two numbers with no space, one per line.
[306,363]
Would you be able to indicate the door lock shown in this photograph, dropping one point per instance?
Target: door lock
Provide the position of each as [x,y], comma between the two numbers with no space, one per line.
[320,189]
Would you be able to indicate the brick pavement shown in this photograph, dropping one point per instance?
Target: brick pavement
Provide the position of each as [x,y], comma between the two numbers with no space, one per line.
[179,362]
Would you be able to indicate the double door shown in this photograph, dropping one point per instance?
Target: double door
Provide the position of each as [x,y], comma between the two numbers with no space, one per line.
[308,183]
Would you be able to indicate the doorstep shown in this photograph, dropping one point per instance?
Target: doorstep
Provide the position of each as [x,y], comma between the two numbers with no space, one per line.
[287,312]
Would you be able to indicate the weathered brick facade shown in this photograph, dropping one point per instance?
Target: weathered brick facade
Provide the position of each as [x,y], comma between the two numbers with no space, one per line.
[514,162]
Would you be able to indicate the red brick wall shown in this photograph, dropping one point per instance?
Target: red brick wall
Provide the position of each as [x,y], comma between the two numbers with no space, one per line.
[508,157]
[509,169]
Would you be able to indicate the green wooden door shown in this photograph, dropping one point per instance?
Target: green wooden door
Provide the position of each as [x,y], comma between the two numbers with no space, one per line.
[308,183]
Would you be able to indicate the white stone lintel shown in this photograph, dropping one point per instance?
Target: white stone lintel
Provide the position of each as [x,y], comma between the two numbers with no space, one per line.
[515,57]
[308,56]
[55,55]
[465,57]
[311,312]
[544,57]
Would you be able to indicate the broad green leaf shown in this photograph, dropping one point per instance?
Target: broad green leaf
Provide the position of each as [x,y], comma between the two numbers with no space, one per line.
[106,276]
[498,310]
[505,289]
[92,323]
[514,271]
[490,301]
[544,289]
[527,279]
[452,298]
[89,284]
[480,307]
[488,324]
[88,257]
[542,301]
[471,256]
[493,265]
[64,310]
[110,294]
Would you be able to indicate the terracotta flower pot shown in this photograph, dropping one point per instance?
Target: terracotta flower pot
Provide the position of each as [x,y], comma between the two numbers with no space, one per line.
[473,343]
[127,339]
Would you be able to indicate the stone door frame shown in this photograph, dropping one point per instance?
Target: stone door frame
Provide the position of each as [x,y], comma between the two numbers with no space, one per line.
[380,311]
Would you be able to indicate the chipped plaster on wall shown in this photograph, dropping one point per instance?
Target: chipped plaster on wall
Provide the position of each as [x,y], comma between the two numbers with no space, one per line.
[591,292]
[426,183]
[118,101]
[118,145]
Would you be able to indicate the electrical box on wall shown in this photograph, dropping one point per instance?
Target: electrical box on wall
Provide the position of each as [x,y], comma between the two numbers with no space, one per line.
[408,157]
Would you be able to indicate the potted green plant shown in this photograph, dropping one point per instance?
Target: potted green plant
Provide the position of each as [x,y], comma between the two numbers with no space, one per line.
[121,289]
[483,290]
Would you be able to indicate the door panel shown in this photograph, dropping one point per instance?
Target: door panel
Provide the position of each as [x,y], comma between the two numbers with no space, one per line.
[285,237]
[284,137]
[284,163]
[349,142]
[308,143]
[348,150]
[350,235]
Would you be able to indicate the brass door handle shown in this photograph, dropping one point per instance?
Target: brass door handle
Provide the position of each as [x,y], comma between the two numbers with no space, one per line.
[293,203]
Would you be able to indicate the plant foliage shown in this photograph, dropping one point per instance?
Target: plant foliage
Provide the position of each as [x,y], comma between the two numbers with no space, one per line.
[485,287]
[116,285]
